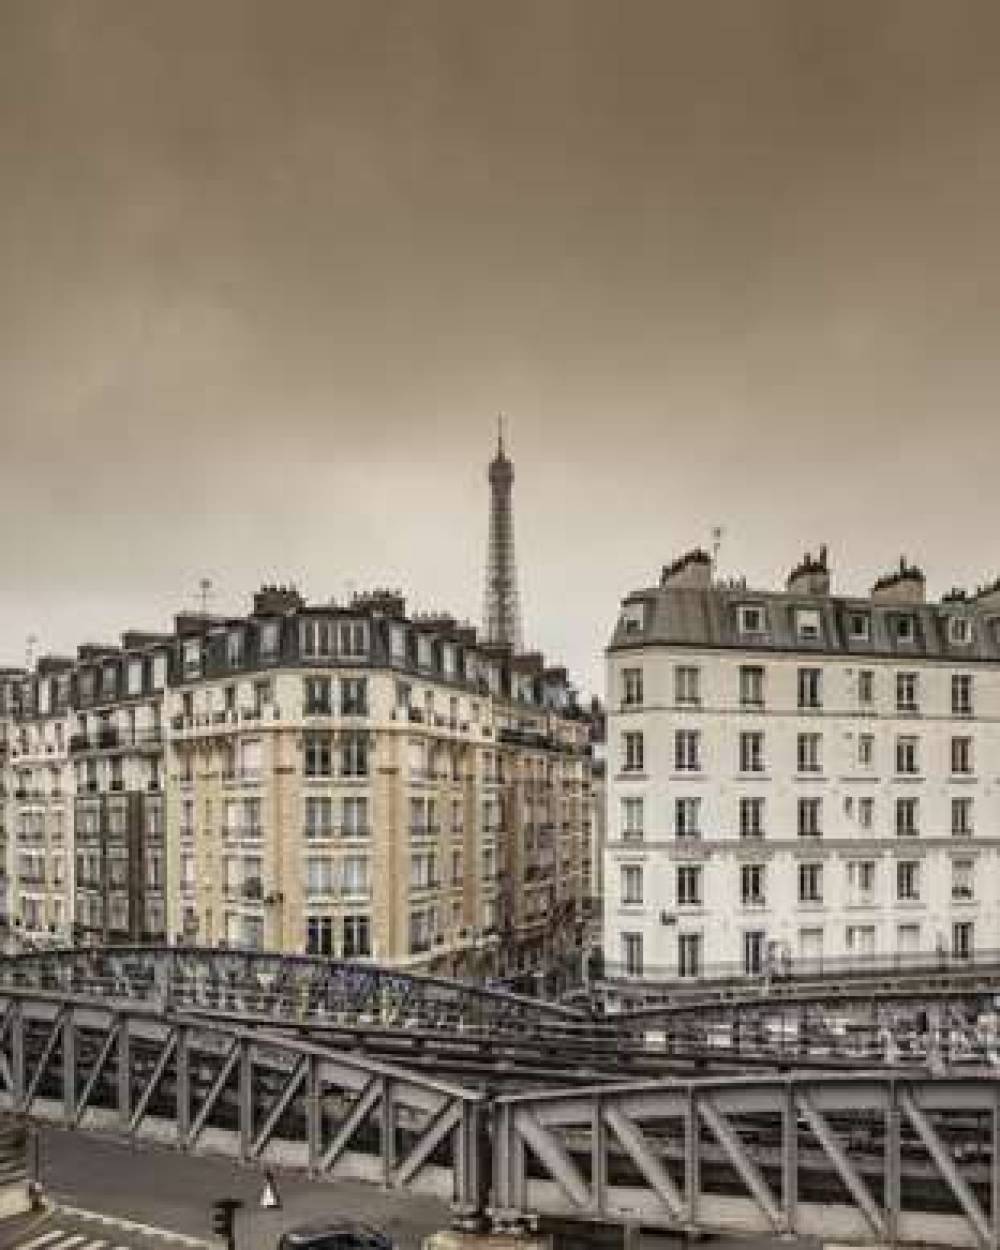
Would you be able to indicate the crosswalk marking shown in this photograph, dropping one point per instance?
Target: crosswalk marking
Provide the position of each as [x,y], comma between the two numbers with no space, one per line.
[94,1245]
[37,1242]
[68,1243]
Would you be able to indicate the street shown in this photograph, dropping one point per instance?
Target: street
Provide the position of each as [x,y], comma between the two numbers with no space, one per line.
[169,1190]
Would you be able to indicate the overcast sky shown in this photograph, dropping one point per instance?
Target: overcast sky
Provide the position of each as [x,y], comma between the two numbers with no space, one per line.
[269,270]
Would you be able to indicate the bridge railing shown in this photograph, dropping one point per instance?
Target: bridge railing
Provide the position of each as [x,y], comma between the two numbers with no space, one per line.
[651,977]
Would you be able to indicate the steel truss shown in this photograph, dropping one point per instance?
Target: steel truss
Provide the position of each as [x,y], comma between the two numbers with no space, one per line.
[762,1155]
[255,1095]
[867,1156]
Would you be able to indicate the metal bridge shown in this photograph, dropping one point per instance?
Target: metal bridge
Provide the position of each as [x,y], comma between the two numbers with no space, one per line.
[247,1055]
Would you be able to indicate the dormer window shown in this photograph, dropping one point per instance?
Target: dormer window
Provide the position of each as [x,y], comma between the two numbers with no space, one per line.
[751,618]
[959,631]
[269,638]
[807,624]
[633,618]
[905,629]
[858,626]
[234,647]
[192,657]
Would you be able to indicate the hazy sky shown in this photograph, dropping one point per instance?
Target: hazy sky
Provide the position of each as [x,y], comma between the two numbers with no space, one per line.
[268,271]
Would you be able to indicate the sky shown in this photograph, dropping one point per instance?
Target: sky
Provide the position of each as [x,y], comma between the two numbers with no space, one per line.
[269,271]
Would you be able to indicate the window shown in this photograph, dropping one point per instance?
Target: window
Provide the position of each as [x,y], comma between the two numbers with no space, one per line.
[632,752]
[807,623]
[905,629]
[754,949]
[810,818]
[810,753]
[687,744]
[689,954]
[961,939]
[751,752]
[810,687]
[961,755]
[907,812]
[860,939]
[319,816]
[858,626]
[961,816]
[687,818]
[318,755]
[354,755]
[319,935]
[751,686]
[319,875]
[687,685]
[270,633]
[631,884]
[357,937]
[907,761]
[632,954]
[908,881]
[866,812]
[866,750]
[751,619]
[907,691]
[354,696]
[961,694]
[689,885]
[632,819]
[631,687]
[861,882]
[751,818]
[353,638]
[316,694]
[752,885]
[959,631]
[866,687]
[810,883]
[962,880]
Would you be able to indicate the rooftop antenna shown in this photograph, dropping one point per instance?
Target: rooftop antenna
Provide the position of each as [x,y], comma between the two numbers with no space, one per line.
[29,651]
[716,544]
[500,433]
[205,590]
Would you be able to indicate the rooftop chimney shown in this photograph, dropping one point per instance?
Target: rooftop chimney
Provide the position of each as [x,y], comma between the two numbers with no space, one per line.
[693,571]
[277,601]
[904,585]
[811,576]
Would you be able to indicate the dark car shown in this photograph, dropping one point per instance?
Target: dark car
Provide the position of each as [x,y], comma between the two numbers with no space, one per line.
[335,1234]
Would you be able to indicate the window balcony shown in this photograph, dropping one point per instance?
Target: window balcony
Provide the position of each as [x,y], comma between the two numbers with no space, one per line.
[359,890]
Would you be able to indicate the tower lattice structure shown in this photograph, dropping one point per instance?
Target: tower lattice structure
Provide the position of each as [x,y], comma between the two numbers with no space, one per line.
[502,611]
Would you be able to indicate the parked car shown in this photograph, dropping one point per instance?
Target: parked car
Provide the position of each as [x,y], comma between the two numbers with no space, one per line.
[335,1234]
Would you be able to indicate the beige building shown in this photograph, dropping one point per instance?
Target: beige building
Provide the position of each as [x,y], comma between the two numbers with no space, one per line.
[356,782]
[39,808]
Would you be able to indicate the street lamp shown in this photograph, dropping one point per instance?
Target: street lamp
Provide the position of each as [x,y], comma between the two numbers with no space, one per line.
[224,1219]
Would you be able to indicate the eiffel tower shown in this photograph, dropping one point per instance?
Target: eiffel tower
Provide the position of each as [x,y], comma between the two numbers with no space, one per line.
[501,612]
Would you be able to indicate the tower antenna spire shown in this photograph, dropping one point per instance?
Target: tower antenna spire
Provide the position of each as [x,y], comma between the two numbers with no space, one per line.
[500,433]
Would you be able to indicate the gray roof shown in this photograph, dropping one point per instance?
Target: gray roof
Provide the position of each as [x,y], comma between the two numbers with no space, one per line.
[708,618]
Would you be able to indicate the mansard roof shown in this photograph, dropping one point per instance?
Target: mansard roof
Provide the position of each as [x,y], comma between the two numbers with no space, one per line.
[710,619]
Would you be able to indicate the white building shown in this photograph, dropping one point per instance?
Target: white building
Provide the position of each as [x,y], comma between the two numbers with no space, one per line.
[800,777]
